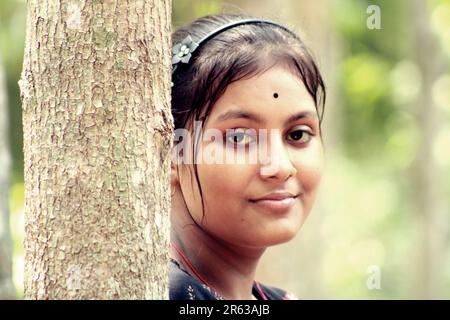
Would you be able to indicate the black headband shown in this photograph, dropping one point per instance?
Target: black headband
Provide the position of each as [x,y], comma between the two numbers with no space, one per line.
[182,52]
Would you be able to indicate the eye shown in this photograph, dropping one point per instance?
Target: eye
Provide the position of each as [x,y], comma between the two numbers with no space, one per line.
[239,136]
[300,136]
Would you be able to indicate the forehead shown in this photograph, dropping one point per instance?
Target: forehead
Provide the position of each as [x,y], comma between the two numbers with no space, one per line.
[256,95]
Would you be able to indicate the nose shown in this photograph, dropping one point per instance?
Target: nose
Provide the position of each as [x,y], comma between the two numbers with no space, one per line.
[278,164]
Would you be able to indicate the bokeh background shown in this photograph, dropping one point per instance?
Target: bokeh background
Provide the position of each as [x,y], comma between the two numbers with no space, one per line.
[381,225]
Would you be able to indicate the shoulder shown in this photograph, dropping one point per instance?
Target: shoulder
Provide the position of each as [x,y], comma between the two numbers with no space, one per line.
[183,286]
[273,293]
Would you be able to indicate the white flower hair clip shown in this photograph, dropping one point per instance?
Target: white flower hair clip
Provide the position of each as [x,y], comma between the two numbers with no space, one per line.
[182,52]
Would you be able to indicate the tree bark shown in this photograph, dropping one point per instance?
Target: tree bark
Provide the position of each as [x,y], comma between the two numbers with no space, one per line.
[97,133]
[7,290]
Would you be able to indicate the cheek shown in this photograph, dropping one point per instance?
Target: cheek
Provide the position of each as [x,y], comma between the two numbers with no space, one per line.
[310,172]
[221,183]
[191,192]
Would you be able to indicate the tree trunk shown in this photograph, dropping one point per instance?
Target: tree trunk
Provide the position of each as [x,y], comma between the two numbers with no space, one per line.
[6,284]
[97,133]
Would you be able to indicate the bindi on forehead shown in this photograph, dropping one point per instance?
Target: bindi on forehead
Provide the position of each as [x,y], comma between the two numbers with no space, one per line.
[275,95]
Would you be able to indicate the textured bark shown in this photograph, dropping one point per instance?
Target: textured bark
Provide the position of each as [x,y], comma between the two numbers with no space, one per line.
[97,133]
[6,285]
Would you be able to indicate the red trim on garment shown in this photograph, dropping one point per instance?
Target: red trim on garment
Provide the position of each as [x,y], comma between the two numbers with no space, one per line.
[186,260]
[260,291]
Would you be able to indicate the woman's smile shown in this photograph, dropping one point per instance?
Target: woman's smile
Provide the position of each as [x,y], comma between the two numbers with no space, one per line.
[276,202]
[276,206]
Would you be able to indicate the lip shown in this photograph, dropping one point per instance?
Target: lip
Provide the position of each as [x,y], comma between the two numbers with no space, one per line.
[277,195]
[277,202]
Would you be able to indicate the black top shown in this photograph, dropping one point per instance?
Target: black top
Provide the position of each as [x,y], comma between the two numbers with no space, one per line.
[182,286]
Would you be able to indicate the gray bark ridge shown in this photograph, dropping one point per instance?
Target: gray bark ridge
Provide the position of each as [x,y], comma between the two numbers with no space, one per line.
[95,89]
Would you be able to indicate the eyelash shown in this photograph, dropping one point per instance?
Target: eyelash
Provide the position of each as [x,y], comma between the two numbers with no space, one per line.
[295,142]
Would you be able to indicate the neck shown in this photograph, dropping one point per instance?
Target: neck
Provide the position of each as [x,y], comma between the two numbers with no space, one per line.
[228,269]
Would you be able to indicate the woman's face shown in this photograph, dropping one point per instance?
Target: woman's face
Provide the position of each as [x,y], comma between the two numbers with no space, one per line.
[289,159]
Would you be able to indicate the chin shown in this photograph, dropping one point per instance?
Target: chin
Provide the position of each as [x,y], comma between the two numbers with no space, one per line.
[280,237]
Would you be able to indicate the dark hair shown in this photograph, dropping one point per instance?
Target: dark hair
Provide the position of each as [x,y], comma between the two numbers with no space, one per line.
[238,53]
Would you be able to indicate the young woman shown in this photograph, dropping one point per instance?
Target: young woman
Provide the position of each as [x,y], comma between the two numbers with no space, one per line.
[243,89]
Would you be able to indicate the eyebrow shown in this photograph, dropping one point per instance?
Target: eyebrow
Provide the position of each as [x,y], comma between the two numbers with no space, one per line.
[240,114]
